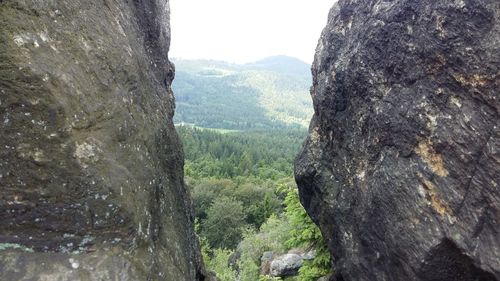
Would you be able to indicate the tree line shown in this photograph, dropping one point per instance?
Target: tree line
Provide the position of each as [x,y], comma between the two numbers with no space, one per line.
[246,201]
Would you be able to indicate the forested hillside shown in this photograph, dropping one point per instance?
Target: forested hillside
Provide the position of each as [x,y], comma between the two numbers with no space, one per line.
[246,201]
[261,154]
[268,94]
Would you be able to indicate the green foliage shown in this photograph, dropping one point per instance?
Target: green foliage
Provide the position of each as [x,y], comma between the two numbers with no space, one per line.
[242,166]
[205,191]
[257,154]
[277,231]
[258,198]
[224,223]
[271,237]
[243,193]
[293,229]
[219,264]
[269,278]
[206,251]
[260,202]
[252,247]
[318,267]
[249,268]
[305,233]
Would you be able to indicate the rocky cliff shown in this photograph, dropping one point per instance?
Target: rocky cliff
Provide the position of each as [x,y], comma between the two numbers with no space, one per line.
[91,180]
[401,168]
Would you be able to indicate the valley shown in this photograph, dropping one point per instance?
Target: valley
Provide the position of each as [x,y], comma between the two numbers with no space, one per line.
[241,127]
[269,94]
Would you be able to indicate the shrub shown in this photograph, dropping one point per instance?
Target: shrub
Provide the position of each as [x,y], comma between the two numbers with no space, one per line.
[224,223]
[304,233]
[219,264]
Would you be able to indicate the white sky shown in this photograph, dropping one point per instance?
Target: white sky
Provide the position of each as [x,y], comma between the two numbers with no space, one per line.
[246,30]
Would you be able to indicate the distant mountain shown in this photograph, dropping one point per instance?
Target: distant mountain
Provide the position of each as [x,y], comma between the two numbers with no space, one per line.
[271,93]
[282,64]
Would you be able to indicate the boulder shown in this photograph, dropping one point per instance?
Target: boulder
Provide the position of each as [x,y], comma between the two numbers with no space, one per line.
[91,168]
[325,278]
[401,169]
[286,265]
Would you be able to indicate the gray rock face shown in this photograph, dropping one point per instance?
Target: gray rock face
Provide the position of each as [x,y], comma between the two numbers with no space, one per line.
[91,180]
[325,278]
[286,265]
[402,165]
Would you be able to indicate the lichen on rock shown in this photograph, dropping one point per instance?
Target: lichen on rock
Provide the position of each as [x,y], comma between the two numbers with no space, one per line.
[91,168]
[401,167]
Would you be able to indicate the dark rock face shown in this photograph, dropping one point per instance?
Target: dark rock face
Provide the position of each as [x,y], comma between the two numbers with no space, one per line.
[91,180]
[401,169]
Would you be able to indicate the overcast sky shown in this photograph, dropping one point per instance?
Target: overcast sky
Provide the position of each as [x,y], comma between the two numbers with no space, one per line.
[246,30]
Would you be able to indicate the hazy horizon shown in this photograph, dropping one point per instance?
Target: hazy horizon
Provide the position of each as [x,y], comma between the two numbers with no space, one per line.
[238,31]
[172,58]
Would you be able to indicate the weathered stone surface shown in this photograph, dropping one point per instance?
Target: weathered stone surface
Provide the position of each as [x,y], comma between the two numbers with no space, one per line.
[325,278]
[286,265]
[91,181]
[402,165]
